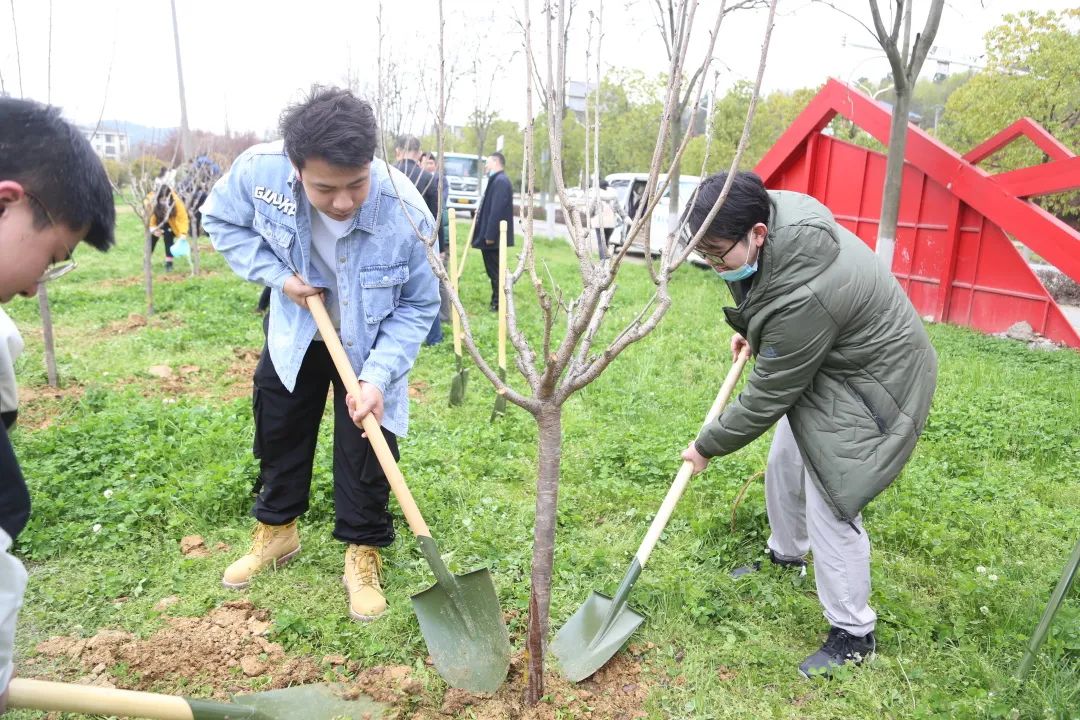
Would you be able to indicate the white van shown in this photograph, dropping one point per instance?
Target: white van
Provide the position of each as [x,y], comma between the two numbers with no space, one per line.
[630,187]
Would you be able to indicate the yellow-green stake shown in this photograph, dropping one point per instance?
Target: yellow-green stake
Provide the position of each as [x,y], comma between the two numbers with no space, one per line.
[461,376]
[500,399]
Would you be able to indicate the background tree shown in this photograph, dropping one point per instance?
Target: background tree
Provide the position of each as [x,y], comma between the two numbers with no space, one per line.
[1031,70]
[671,22]
[565,358]
[906,60]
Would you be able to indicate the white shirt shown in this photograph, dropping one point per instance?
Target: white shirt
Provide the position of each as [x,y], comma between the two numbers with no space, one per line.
[325,232]
[12,586]
[11,346]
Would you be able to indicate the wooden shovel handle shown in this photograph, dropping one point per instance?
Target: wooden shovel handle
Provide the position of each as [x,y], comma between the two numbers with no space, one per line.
[64,697]
[371,425]
[455,273]
[677,488]
[502,295]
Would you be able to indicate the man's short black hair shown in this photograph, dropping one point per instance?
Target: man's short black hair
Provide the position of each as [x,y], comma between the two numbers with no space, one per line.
[332,124]
[408,143]
[52,160]
[500,157]
[746,205]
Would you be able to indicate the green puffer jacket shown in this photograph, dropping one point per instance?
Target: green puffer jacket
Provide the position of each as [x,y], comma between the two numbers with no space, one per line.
[840,350]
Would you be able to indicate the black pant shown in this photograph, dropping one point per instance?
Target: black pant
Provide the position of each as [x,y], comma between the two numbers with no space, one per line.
[286,430]
[264,300]
[168,236]
[14,498]
[491,264]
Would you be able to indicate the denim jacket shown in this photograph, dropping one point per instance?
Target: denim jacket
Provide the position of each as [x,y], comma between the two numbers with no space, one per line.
[259,219]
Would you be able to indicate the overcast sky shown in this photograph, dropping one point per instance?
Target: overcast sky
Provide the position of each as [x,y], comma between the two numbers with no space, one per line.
[243,61]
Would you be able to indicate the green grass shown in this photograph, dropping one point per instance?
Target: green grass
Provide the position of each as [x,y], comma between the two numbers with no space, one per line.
[994,483]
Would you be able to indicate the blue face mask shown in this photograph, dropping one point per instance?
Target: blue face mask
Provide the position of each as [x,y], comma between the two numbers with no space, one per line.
[746,270]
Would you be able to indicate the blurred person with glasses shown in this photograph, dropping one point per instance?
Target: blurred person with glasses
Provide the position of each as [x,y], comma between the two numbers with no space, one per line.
[54,194]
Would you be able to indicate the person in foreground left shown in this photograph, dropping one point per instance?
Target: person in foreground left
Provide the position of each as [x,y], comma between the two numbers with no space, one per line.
[54,194]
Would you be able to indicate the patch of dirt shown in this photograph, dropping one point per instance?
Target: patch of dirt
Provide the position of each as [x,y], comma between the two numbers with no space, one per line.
[221,650]
[192,546]
[240,372]
[40,404]
[133,322]
[226,650]
[418,391]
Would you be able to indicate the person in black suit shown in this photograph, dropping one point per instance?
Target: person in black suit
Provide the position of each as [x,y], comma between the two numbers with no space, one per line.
[497,205]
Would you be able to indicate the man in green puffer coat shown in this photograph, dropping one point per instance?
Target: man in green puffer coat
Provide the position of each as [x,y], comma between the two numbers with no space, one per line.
[844,369]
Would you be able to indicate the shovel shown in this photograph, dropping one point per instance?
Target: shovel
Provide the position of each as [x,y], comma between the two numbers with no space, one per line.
[459,615]
[602,625]
[306,701]
[500,399]
[461,377]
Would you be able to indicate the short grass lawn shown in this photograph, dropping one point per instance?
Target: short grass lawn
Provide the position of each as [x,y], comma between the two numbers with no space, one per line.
[128,457]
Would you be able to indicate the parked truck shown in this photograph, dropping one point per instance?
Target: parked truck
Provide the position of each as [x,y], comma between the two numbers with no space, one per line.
[464,174]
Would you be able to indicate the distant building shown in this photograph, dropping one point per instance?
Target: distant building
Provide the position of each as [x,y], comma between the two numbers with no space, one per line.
[577,93]
[108,144]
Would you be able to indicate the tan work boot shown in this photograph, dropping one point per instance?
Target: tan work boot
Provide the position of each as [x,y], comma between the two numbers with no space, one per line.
[363,566]
[274,545]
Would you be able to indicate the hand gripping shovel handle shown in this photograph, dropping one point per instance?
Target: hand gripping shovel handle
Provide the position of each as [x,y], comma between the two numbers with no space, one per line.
[677,488]
[64,697]
[371,425]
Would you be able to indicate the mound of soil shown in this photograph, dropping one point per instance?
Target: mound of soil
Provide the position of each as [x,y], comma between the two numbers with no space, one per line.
[227,651]
[220,650]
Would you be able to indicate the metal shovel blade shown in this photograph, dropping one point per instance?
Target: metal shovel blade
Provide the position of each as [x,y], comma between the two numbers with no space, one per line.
[305,701]
[459,383]
[583,644]
[500,400]
[465,633]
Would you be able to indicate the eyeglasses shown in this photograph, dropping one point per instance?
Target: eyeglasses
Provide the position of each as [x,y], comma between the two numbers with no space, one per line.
[717,261]
[56,270]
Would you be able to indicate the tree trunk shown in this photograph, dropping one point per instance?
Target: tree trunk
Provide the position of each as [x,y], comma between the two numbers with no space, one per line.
[894,167]
[673,180]
[549,424]
[185,133]
[47,334]
[148,272]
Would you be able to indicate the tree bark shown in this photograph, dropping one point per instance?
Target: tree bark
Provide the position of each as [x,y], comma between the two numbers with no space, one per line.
[894,170]
[148,272]
[185,133]
[549,425]
[905,62]
[676,169]
[47,334]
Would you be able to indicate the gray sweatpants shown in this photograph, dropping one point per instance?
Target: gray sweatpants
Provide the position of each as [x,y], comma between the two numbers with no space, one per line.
[800,520]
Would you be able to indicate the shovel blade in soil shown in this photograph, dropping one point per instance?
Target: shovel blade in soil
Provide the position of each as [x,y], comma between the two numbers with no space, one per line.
[463,626]
[500,400]
[583,644]
[458,384]
[322,702]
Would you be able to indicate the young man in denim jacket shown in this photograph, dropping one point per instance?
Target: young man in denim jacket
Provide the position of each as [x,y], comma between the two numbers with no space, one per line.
[316,213]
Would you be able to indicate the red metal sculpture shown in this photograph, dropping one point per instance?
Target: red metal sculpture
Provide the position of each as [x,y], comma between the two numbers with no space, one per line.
[953,254]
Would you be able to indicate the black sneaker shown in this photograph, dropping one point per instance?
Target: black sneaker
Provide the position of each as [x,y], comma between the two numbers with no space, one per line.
[747,569]
[840,648]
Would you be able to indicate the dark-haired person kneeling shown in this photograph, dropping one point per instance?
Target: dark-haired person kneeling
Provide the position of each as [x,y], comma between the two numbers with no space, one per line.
[316,213]
[54,194]
[844,370]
